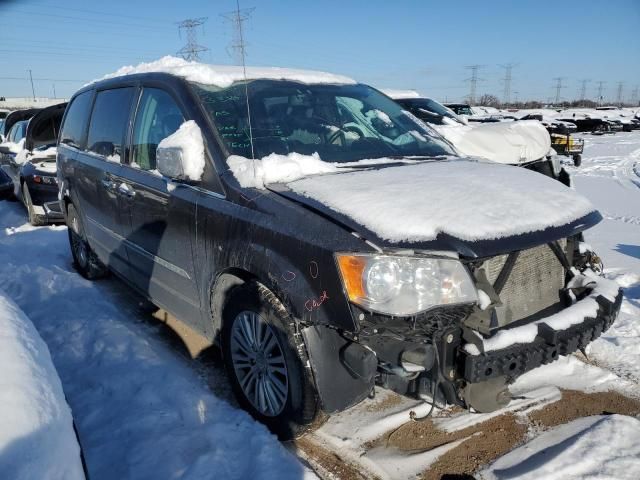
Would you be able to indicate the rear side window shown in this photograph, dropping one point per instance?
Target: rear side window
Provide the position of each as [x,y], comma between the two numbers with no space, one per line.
[76,120]
[109,123]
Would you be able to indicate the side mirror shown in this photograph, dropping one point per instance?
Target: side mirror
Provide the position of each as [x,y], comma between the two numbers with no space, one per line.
[170,162]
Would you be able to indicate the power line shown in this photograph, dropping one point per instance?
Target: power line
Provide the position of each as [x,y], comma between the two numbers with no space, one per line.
[192,50]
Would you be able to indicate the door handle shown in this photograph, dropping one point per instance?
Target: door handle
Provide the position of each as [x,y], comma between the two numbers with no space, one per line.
[126,190]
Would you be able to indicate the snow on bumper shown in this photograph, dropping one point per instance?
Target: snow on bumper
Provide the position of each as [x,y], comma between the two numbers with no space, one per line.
[512,352]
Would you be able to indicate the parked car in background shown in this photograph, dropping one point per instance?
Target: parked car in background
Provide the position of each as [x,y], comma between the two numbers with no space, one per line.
[525,144]
[335,244]
[426,109]
[29,158]
[588,120]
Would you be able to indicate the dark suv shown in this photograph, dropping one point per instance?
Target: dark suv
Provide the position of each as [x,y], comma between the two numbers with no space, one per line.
[356,249]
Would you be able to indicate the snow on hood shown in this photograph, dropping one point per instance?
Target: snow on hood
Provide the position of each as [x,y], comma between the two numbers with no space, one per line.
[277,168]
[399,94]
[39,154]
[462,198]
[225,75]
[37,438]
[510,143]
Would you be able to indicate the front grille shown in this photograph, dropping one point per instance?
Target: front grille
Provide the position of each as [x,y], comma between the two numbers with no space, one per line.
[533,284]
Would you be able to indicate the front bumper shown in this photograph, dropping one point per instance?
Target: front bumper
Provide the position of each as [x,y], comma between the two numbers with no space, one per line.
[547,346]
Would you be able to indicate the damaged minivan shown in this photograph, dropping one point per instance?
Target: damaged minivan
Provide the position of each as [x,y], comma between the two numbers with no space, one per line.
[324,239]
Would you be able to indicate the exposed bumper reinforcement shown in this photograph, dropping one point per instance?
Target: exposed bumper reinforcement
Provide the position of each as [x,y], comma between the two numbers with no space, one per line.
[547,346]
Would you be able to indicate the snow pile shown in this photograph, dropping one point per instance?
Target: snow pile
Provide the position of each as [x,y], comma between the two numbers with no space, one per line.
[37,439]
[189,139]
[466,199]
[14,147]
[276,168]
[398,94]
[510,143]
[576,313]
[593,447]
[225,75]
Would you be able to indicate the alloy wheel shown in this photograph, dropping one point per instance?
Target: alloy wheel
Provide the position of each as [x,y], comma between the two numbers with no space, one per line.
[259,363]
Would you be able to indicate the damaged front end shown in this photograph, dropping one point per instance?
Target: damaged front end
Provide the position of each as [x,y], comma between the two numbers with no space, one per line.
[533,306]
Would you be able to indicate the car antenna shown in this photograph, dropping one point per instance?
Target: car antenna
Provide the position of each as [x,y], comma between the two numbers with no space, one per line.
[237,18]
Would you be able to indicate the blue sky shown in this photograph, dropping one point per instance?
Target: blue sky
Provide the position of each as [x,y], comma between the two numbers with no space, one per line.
[401,44]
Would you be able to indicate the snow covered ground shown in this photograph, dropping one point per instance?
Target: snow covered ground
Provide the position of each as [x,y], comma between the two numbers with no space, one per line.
[141,407]
[144,409]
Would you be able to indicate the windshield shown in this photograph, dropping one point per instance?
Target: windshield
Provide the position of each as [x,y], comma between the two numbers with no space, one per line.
[461,109]
[342,123]
[18,131]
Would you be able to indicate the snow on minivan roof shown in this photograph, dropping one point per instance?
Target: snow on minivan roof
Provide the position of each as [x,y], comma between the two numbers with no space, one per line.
[225,75]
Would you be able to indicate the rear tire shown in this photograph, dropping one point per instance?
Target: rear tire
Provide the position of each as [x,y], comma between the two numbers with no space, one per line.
[577,160]
[265,361]
[85,260]
[34,219]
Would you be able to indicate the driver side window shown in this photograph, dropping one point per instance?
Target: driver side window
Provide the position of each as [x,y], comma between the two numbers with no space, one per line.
[158,117]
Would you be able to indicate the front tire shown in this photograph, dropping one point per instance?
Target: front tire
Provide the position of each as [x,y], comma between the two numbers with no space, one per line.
[577,160]
[265,361]
[34,219]
[84,259]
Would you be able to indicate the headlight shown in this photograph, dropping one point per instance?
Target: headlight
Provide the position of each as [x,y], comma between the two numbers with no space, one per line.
[401,285]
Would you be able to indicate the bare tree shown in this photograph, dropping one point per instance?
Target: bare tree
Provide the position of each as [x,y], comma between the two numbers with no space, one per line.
[488,100]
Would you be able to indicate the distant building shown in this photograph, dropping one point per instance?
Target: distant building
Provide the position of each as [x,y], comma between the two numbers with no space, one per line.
[17,103]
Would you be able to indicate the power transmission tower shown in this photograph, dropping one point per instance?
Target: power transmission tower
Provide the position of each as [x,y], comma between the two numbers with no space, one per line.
[473,81]
[601,84]
[583,89]
[237,49]
[634,96]
[507,81]
[192,50]
[558,86]
[619,95]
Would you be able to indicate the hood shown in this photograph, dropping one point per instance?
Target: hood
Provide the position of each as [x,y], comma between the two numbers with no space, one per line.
[17,116]
[44,127]
[511,143]
[475,208]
